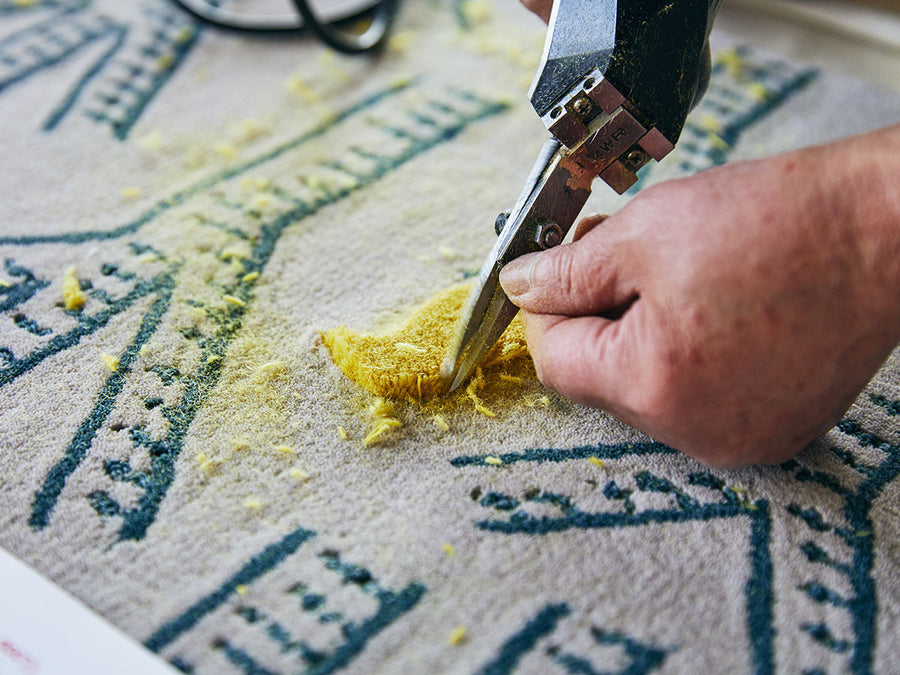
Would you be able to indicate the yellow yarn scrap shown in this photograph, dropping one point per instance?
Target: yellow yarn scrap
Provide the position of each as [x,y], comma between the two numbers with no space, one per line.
[73,297]
[404,362]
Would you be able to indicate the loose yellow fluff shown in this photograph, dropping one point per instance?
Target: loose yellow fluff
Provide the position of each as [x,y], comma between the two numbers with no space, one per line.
[253,503]
[405,360]
[441,422]
[73,297]
[227,151]
[111,362]
[457,635]
[383,412]
[165,61]
[758,92]
[381,427]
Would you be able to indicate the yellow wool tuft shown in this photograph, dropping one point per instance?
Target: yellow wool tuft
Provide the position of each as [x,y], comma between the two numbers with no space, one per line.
[184,34]
[758,92]
[111,362]
[441,422]
[732,61]
[227,151]
[73,297]
[476,11]
[206,464]
[457,635]
[238,444]
[299,474]
[383,412]
[405,361]
[380,428]
[165,61]
[151,141]
[253,503]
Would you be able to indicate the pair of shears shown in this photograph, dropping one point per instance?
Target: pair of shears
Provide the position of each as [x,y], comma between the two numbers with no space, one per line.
[614,86]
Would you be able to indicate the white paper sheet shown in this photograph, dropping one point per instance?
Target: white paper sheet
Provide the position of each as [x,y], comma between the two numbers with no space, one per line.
[45,631]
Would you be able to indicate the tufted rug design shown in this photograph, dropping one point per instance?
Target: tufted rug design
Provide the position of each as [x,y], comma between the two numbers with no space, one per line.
[184,211]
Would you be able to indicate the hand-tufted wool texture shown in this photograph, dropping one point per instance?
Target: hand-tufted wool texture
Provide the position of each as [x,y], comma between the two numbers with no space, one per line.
[171,453]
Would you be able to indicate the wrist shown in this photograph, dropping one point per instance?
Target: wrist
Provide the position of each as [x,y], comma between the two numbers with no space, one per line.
[861,196]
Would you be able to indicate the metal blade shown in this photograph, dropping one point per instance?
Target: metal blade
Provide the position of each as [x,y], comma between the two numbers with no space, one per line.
[554,193]
[483,320]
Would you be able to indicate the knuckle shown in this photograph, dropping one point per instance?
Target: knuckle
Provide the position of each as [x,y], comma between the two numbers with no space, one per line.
[657,398]
[560,271]
[536,6]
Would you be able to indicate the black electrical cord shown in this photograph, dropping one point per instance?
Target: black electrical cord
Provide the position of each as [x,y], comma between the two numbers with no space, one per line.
[382,16]
[347,42]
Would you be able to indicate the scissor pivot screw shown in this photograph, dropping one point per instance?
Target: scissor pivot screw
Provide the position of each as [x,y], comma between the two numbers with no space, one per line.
[635,157]
[548,235]
[582,106]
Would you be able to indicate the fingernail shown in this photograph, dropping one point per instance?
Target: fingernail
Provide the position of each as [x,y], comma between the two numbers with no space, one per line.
[515,277]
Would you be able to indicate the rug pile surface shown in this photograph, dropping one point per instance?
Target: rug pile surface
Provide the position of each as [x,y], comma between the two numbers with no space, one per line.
[183,212]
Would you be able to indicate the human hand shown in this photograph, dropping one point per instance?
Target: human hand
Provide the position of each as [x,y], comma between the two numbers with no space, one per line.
[734,315]
[540,7]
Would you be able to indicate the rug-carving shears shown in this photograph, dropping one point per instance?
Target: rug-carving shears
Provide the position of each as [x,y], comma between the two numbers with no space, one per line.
[614,86]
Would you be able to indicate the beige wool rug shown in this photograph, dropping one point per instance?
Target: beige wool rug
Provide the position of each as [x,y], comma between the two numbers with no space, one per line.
[183,212]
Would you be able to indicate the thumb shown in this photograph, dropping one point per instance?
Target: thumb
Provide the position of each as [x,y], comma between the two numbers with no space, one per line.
[588,359]
[578,279]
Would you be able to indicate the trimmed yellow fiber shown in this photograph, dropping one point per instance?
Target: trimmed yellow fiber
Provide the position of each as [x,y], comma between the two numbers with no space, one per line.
[73,297]
[457,635]
[405,361]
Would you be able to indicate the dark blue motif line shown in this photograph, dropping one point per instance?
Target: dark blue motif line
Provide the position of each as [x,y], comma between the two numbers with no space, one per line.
[206,183]
[74,26]
[858,535]
[602,451]
[45,499]
[640,658]
[272,556]
[89,29]
[523,641]
[122,127]
[738,117]
[66,105]
[356,635]
[197,387]
[87,324]
[758,590]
